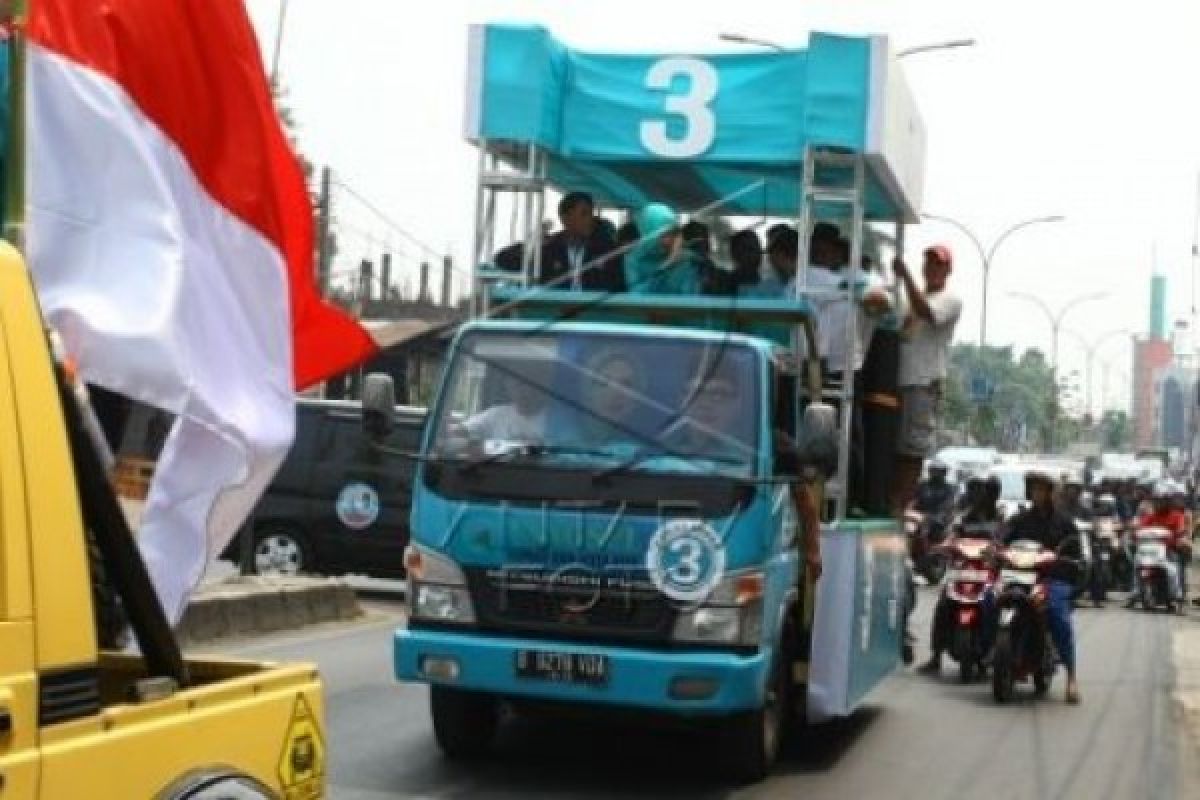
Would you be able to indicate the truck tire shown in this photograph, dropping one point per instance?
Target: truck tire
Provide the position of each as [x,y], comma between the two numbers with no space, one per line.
[464,723]
[280,550]
[752,739]
[111,622]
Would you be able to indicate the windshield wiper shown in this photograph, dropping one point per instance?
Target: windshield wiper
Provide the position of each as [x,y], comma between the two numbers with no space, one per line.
[637,459]
[526,451]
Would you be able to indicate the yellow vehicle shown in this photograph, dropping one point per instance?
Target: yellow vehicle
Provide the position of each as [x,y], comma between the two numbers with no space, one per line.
[79,719]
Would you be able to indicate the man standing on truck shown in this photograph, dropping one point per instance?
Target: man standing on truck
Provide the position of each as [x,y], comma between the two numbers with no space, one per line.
[924,358]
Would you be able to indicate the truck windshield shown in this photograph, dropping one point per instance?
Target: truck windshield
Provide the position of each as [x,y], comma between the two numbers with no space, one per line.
[596,401]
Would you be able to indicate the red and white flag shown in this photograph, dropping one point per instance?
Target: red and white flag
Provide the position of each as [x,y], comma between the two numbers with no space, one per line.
[170,234]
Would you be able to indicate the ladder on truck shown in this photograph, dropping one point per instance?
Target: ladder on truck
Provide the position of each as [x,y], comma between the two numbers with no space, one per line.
[835,180]
[517,172]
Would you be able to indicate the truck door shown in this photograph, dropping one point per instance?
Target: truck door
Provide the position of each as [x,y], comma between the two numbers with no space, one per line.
[364,494]
[20,760]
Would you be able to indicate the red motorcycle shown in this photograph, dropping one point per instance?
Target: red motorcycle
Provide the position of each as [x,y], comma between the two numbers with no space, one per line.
[1023,648]
[971,570]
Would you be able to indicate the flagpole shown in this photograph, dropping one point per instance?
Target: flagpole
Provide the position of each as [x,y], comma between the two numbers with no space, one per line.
[278,44]
[14,158]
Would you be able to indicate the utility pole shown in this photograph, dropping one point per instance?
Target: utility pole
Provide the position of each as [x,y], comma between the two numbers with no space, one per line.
[324,220]
[447,268]
[385,277]
[423,295]
[365,270]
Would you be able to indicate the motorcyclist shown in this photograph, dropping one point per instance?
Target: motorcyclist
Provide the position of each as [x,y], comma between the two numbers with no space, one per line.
[1072,501]
[983,509]
[982,515]
[1163,513]
[1043,523]
[935,495]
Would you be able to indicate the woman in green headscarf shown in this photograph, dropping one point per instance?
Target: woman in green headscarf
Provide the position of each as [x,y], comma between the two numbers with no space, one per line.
[659,263]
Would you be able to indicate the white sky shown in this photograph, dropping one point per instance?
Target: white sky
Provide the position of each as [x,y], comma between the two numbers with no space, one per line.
[1061,108]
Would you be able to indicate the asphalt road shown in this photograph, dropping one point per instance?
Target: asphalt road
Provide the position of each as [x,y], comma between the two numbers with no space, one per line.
[919,737]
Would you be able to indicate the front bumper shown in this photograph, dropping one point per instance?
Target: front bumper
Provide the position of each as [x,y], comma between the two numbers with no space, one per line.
[637,678]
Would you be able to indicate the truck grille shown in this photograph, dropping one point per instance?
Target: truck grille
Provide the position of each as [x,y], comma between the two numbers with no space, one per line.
[635,613]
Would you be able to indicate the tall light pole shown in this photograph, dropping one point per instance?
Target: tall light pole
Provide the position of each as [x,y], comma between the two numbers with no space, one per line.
[987,255]
[1055,320]
[1089,348]
[926,48]
[739,38]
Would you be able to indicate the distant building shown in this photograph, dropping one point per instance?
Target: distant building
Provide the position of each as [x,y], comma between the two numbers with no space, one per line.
[1151,357]
[1175,392]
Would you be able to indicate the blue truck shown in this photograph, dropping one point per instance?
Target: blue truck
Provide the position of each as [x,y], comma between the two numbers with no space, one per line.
[603,512]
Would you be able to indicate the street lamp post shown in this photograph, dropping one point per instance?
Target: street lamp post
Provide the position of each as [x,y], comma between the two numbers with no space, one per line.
[925,48]
[1089,349]
[987,255]
[739,38]
[1055,320]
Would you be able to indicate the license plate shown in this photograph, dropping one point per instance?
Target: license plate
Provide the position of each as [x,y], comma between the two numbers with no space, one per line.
[1017,576]
[971,576]
[586,668]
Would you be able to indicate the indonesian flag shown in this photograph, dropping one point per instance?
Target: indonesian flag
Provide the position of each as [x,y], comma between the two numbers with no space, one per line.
[170,234]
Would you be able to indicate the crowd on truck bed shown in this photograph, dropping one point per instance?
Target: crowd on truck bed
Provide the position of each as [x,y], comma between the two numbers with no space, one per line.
[657,253]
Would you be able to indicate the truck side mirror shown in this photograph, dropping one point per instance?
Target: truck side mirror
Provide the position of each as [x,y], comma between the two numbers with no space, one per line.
[817,442]
[378,405]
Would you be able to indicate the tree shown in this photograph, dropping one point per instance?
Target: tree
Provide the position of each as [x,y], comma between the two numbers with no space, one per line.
[996,398]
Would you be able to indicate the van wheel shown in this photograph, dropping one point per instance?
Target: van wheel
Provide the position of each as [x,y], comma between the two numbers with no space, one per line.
[752,738]
[464,723]
[279,551]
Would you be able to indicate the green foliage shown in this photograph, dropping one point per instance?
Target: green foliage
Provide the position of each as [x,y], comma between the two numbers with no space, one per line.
[997,398]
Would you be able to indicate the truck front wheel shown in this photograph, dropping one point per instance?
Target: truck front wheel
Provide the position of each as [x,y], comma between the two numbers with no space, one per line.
[752,739]
[464,723]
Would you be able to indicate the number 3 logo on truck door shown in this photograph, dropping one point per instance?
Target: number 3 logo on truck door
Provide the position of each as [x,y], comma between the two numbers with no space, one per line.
[700,124]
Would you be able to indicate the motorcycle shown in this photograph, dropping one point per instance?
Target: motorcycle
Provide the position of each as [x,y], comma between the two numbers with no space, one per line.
[925,532]
[970,572]
[1157,572]
[1023,649]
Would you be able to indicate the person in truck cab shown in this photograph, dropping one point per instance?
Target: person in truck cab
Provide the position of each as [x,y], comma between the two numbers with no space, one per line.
[706,428]
[522,419]
[612,385]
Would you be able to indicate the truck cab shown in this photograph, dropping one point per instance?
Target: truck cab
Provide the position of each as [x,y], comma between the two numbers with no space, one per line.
[605,511]
[81,715]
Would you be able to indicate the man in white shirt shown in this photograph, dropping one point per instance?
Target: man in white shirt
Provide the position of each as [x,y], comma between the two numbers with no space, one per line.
[924,359]
[522,420]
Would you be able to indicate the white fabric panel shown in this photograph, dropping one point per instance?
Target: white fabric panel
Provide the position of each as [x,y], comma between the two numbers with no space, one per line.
[162,295]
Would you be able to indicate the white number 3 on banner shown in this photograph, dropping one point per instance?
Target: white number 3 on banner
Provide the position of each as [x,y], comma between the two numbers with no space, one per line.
[700,124]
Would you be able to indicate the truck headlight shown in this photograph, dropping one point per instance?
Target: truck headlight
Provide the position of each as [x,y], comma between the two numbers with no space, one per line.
[731,615]
[437,588]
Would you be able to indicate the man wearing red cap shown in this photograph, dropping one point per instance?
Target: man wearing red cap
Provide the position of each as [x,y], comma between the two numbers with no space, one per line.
[924,357]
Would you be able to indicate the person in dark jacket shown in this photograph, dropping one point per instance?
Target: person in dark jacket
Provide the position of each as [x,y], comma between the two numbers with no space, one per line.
[1054,530]
[579,256]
